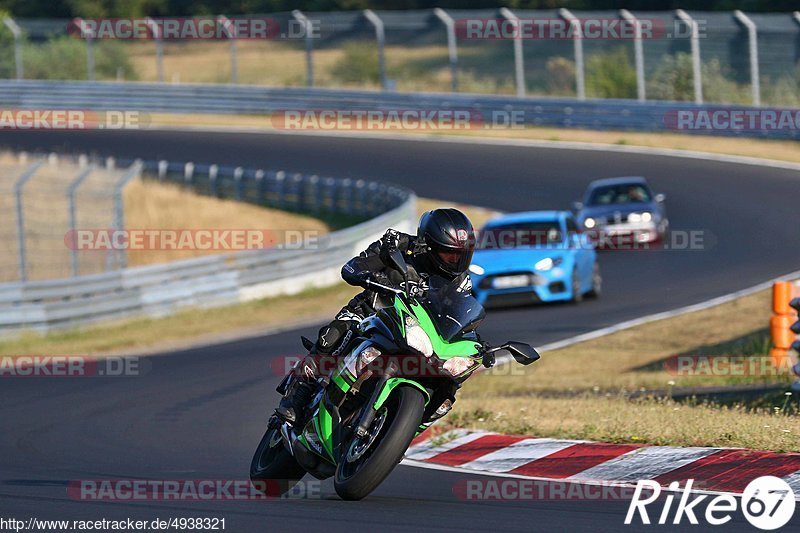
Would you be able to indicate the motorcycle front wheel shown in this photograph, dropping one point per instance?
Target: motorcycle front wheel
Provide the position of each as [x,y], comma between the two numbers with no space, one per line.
[367,461]
[273,470]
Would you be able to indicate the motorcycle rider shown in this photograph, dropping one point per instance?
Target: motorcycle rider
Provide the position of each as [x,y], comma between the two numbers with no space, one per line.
[443,246]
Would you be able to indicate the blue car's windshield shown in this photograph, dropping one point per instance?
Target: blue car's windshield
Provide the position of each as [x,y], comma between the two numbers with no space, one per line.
[625,193]
[452,310]
[520,235]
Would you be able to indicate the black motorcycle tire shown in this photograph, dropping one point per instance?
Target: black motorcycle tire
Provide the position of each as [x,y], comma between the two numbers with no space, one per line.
[273,470]
[405,408]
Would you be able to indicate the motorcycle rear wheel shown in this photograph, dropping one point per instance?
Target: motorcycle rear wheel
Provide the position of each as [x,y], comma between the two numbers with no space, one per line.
[273,470]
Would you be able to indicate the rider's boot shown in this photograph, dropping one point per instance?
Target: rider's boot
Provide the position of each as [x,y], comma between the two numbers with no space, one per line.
[299,393]
[296,399]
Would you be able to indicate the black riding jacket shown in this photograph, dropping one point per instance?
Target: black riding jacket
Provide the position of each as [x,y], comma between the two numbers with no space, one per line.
[372,263]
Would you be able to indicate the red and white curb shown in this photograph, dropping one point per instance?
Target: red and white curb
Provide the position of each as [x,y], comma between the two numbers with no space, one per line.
[726,470]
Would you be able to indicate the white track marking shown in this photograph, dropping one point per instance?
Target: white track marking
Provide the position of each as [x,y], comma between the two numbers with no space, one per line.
[518,454]
[426,450]
[644,463]
[794,481]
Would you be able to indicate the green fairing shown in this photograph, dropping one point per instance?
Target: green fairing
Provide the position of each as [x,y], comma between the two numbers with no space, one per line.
[325,429]
[391,384]
[340,382]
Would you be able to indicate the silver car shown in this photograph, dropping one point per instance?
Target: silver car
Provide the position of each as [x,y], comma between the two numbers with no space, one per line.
[622,210]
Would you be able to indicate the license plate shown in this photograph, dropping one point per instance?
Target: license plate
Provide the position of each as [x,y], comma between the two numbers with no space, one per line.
[509,282]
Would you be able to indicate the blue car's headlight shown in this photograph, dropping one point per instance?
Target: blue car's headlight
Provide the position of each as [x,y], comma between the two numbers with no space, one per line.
[476,269]
[548,263]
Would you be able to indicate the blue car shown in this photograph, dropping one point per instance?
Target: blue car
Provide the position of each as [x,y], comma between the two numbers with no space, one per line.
[538,256]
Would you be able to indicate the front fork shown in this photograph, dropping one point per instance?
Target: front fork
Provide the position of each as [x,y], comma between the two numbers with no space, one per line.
[369,412]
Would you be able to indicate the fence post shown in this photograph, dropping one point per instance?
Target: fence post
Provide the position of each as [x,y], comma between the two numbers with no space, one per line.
[697,74]
[188,173]
[298,15]
[752,38]
[452,49]
[88,35]
[213,171]
[230,31]
[163,165]
[238,172]
[577,41]
[20,183]
[119,207]
[638,53]
[380,37]
[157,37]
[17,32]
[71,190]
[519,60]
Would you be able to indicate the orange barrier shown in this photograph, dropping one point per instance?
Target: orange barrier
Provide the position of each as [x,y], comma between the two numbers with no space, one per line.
[782,319]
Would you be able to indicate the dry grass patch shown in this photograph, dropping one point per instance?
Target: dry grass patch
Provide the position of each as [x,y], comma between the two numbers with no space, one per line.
[633,359]
[597,376]
[620,420]
[155,205]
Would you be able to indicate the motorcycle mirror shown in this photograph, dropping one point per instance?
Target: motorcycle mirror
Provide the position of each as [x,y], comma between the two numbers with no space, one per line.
[523,353]
[396,256]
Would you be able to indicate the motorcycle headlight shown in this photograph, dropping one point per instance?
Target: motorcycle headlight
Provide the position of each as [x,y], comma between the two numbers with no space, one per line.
[367,355]
[590,223]
[456,366]
[356,362]
[417,338]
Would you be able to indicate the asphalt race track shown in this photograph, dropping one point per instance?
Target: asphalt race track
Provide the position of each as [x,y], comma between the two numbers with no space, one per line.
[198,414]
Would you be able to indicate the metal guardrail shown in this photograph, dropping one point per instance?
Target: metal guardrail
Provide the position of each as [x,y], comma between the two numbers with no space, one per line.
[217,280]
[609,114]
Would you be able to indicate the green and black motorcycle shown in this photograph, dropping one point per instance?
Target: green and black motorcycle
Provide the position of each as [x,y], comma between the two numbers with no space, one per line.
[399,373]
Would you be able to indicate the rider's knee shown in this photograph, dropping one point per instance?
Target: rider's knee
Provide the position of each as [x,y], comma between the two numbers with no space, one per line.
[331,335]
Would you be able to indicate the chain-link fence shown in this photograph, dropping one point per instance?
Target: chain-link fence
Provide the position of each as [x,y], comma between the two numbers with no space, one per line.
[729,57]
[41,200]
[63,217]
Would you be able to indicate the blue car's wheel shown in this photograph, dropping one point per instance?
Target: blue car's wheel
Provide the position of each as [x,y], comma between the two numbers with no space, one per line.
[597,282]
[577,295]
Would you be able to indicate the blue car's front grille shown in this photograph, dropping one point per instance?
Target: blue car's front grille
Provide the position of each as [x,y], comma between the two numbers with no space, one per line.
[488,281]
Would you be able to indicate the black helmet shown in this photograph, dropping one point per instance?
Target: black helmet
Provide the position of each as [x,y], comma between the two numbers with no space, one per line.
[450,240]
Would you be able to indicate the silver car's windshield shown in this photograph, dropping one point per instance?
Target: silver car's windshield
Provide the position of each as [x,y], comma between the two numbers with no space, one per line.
[625,193]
